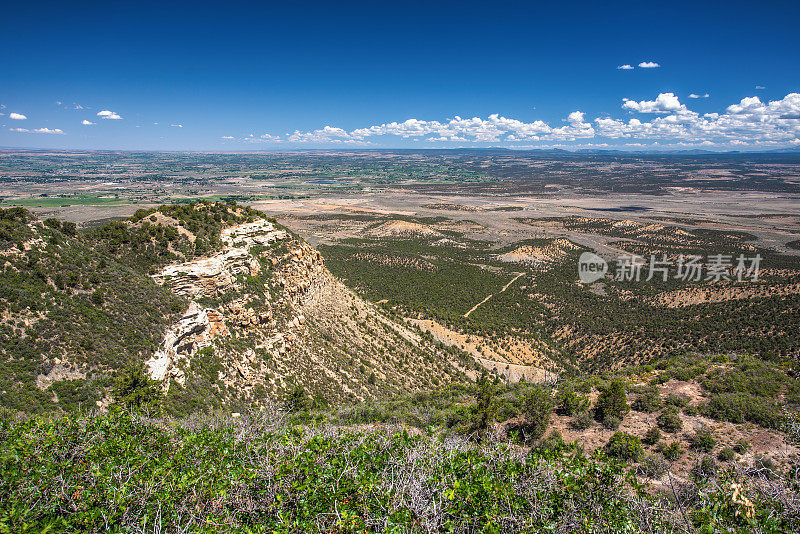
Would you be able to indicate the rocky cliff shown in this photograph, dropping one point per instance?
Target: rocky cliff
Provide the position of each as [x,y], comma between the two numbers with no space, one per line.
[266,315]
[225,308]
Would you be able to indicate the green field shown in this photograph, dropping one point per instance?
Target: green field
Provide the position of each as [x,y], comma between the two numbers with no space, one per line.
[56,202]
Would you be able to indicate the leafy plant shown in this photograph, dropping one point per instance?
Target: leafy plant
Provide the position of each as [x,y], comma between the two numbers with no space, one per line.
[536,405]
[483,412]
[624,446]
[652,436]
[669,420]
[135,390]
[703,439]
[612,401]
[647,401]
[671,451]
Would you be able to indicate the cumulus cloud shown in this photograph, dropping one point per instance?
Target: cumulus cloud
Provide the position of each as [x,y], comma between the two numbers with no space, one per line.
[38,130]
[17,116]
[625,67]
[106,114]
[648,65]
[86,123]
[664,103]
[694,95]
[748,121]
[787,108]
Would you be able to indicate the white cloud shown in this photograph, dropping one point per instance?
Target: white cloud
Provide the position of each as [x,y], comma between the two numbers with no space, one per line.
[664,103]
[625,67]
[227,137]
[48,131]
[38,130]
[694,95]
[787,108]
[86,123]
[760,87]
[17,116]
[327,134]
[177,125]
[648,65]
[748,121]
[106,114]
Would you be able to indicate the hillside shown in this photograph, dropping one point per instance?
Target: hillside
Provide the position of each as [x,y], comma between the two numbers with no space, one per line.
[70,314]
[212,324]
[224,306]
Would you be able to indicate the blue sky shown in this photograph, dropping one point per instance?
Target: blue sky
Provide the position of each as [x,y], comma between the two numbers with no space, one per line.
[233,76]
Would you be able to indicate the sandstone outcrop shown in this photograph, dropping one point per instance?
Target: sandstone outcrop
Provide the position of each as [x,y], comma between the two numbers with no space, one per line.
[205,277]
[194,331]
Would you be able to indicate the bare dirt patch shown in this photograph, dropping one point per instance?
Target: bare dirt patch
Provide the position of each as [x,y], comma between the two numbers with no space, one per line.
[689,297]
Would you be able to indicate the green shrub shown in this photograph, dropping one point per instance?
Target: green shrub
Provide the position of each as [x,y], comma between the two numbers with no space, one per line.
[706,467]
[536,405]
[750,375]
[97,297]
[570,403]
[624,446]
[652,436]
[676,400]
[69,228]
[554,442]
[741,446]
[611,422]
[123,473]
[741,407]
[653,466]
[612,401]
[483,412]
[726,454]
[135,390]
[296,399]
[671,451]
[582,421]
[76,394]
[648,401]
[703,439]
[669,420]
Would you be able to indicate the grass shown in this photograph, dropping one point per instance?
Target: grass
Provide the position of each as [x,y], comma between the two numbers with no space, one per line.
[73,200]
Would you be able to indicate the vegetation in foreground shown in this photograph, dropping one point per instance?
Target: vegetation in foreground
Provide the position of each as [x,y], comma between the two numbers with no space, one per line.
[120,472]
